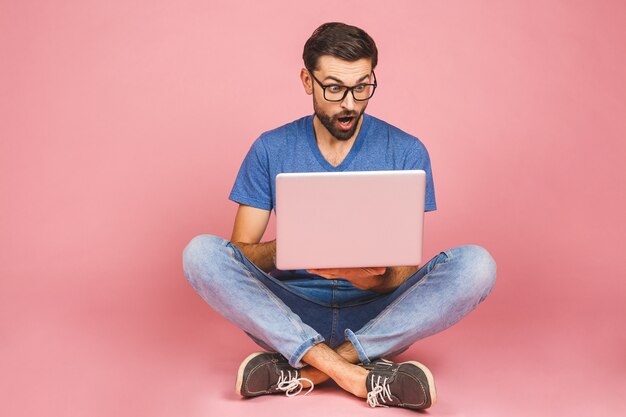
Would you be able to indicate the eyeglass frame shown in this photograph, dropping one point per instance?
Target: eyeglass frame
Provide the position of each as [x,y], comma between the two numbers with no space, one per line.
[348,89]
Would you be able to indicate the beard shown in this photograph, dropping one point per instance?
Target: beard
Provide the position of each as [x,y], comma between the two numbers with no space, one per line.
[331,122]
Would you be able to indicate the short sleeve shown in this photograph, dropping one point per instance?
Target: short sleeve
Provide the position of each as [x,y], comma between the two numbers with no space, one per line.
[417,158]
[252,186]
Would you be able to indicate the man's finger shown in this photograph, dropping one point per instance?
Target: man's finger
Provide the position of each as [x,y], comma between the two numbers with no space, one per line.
[326,273]
[376,270]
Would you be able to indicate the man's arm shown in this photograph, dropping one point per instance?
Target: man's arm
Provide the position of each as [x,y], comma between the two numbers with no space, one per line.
[393,277]
[369,278]
[260,254]
[250,224]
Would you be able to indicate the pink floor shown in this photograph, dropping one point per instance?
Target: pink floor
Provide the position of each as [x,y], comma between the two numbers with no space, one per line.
[174,357]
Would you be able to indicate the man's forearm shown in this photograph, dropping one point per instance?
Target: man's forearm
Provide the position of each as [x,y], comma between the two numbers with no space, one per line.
[260,254]
[394,277]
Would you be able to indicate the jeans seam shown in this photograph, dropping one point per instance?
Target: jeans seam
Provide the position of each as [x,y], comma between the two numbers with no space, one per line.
[401,298]
[333,325]
[271,295]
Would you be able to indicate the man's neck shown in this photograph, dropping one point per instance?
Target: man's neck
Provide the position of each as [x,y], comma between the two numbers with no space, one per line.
[326,140]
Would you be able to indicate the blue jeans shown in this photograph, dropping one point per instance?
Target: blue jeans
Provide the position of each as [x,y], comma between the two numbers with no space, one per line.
[289,313]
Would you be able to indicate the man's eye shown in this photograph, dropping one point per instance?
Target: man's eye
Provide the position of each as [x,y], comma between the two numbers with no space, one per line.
[359,88]
[335,88]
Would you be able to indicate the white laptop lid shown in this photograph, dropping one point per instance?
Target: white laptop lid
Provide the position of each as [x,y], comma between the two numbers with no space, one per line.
[349,219]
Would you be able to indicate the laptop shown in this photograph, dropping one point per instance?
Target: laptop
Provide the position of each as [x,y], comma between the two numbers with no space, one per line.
[349,219]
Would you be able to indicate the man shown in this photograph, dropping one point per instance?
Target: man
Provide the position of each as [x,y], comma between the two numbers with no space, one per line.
[333,323]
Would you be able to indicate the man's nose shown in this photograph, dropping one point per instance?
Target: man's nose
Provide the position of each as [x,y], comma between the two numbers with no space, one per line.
[348,101]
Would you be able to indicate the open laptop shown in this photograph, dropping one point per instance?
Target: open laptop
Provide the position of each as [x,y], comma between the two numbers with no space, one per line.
[349,219]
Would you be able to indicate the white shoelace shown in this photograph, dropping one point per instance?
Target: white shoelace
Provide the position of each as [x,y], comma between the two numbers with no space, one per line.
[379,389]
[289,383]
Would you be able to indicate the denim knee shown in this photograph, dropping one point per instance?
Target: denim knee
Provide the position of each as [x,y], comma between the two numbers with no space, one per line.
[200,255]
[479,269]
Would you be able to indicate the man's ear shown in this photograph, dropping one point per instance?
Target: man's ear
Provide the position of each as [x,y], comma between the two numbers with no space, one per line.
[307,81]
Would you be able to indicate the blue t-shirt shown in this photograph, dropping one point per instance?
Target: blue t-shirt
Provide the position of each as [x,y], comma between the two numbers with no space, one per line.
[379,146]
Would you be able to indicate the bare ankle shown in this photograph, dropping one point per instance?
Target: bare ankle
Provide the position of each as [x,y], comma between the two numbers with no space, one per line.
[354,381]
[346,350]
[359,387]
[315,375]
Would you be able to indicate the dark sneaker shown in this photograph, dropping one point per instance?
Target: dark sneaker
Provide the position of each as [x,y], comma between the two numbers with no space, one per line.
[406,384]
[268,373]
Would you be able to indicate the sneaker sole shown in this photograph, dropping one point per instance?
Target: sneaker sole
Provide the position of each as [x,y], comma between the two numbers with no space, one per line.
[432,391]
[242,367]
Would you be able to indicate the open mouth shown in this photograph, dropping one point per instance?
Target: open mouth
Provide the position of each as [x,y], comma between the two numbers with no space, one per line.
[346,122]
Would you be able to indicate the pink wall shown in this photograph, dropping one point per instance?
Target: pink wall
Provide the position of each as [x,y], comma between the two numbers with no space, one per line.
[123,125]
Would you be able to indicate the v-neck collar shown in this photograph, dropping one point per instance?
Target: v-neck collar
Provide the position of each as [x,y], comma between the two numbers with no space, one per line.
[356,146]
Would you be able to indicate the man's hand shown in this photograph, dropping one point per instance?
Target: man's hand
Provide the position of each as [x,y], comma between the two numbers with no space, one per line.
[362,278]
[260,254]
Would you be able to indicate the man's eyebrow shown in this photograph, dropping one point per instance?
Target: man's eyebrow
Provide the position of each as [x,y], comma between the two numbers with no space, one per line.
[330,77]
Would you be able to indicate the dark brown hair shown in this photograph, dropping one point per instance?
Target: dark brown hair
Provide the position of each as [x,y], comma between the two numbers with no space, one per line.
[341,41]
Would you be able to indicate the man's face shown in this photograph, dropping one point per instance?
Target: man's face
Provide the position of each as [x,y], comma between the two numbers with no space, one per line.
[340,118]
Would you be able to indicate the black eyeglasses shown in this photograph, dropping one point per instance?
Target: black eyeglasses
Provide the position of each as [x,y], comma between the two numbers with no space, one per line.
[336,92]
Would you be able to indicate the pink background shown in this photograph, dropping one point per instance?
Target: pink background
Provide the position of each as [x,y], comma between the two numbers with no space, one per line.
[123,125]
